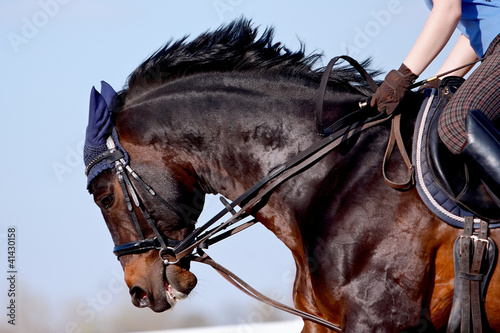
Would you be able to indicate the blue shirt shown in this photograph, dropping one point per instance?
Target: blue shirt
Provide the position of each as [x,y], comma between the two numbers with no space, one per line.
[480,22]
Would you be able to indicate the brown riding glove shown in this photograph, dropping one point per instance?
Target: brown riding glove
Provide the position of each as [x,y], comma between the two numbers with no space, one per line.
[393,89]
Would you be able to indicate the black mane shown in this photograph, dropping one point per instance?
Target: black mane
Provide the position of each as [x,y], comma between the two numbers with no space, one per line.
[234,47]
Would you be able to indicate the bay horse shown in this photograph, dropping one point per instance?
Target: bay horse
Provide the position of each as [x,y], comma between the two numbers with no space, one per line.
[217,114]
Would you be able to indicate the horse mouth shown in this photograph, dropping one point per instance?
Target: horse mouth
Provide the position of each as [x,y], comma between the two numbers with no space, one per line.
[165,300]
[173,295]
[160,291]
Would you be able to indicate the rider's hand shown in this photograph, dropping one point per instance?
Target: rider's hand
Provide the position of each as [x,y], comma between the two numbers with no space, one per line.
[393,89]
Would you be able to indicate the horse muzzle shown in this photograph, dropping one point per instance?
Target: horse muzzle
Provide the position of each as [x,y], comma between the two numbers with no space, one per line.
[154,285]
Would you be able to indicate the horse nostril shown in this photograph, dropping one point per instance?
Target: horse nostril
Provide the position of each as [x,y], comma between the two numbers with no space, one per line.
[139,297]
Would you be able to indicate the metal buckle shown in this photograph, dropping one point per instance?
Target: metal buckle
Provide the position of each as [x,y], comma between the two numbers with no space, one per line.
[166,262]
[475,238]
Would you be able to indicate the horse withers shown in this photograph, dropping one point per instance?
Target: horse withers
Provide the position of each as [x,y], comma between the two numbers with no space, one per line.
[216,115]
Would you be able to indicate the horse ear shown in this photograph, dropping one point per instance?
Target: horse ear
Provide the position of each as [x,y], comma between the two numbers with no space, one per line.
[108,93]
[99,126]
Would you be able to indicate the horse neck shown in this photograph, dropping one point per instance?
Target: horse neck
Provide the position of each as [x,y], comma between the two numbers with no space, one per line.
[240,127]
[231,130]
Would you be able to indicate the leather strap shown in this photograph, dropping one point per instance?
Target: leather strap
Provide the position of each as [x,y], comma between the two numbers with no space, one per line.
[470,274]
[474,257]
[324,83]
[124,183]
[396,138]
[250,291]
[477,261]
[269,183]
[465,244]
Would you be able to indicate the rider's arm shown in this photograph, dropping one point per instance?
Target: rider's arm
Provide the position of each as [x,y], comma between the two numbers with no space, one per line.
[462,53]
[437,31]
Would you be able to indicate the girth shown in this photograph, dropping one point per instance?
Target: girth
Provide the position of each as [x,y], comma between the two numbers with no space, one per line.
[475,256]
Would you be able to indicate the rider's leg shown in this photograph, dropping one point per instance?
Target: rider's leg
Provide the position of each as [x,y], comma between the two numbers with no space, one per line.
[482,151]
[481,91]
[479,142]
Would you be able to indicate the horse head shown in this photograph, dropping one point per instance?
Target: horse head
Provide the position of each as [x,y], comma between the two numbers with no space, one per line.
[132,211]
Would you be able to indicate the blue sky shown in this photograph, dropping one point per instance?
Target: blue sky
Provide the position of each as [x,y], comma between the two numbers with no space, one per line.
[53,51]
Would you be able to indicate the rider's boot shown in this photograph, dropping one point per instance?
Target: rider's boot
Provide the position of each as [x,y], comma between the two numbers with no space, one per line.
[482,151]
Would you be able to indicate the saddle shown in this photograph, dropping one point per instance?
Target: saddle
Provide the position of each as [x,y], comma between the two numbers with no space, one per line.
[445,183]
[457,195]
[450,171]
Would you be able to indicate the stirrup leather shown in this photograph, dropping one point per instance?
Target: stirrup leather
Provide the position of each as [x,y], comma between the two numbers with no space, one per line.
[475,256]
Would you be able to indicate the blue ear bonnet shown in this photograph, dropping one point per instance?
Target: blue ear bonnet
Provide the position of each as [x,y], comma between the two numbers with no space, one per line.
[99,128]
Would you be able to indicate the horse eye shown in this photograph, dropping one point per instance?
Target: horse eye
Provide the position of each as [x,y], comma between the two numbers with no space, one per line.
[107,201]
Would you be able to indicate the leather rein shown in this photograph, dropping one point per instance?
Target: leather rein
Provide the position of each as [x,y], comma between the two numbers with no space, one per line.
[192,247]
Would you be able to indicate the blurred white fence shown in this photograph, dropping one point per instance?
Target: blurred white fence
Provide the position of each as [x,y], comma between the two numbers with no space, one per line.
[294,326]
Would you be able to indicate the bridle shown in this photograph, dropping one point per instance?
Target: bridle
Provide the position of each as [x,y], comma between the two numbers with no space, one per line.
[202,237]
[124,173]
